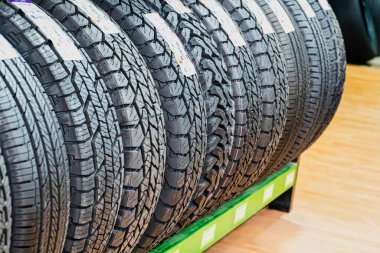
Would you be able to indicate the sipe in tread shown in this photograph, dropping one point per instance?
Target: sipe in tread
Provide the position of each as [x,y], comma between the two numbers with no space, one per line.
[337,63]
[216,87]
[242,71]
[184,112]
[266,51]
[317,57]
[138,108]
[35,190]
[297,72]
[90,130]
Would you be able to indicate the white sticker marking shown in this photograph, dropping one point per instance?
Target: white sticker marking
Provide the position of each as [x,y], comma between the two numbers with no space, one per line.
[226,21]
[62,42]
[176,46]
[290,178]
[178,6]
[7,51]
[176,251]
[240,213]
[281,15]
[97,16]
[309,12]
[260,16]
[208,236]
[325,5]
[268,193]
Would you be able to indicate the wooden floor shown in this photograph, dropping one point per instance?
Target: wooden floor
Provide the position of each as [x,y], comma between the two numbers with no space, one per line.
[337,202]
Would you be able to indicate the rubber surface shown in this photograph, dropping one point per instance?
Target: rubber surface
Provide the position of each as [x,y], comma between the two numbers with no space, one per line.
[182,102]
[274,89]
[216,87]
[311,111]
[89,124]
[36,163]
[5,208]
[138,108]
[359,29]
[337,64]
[242,71]
[326,84]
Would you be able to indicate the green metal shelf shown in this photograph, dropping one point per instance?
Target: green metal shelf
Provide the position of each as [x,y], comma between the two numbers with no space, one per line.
[210,229]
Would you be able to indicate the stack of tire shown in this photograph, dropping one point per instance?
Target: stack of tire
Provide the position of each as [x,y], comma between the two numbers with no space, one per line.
[124,121]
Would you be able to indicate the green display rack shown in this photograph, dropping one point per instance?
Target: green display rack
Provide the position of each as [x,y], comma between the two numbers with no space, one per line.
[274,192]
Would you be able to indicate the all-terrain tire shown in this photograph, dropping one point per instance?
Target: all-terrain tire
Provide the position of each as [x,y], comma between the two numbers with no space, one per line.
[36,164]
[89,124]
[216,89]
[182,103]
[242,71]
[266,50]
[138,108]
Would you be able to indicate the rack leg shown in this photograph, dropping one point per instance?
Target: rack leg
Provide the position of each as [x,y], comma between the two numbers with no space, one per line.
[284,202]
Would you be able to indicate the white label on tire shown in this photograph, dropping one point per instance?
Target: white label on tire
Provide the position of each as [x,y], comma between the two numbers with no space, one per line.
[178,6]
[325,5]
[97,16]
[240,213]
[309,12]
[208,236]
[176,46]
[290,178]
[7,51]
[268,193]
[226,21]
[255,9]
[281,15]
[62,42]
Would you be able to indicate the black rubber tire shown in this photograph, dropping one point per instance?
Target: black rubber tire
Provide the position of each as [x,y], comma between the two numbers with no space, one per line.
[297,79]
[216,89]
[274,88]
[242,71]
[91,132]
[182,102]
[359,29]
[318,85]
[138,107]
[336,66]
[312,111]
[5,208]
[36,162]
[327,57]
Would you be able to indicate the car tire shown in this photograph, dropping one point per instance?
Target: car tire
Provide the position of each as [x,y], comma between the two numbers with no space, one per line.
[89,124]
[35,192]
